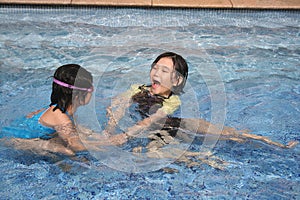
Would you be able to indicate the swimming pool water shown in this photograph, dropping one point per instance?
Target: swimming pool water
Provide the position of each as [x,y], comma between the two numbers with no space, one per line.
[255,54]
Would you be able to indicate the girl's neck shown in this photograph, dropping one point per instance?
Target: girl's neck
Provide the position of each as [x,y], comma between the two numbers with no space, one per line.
[165,95]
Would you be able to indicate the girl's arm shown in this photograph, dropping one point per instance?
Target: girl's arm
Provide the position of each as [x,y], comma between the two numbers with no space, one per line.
[158,119]
[119,104]
[117,109]
[68,133]
[160,116]
[64,127]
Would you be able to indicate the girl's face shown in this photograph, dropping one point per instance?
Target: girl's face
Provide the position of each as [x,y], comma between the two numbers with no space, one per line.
[161,75]
[77,101]
[88,98]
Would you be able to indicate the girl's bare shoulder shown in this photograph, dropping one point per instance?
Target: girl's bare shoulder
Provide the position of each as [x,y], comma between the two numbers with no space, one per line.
[55,117]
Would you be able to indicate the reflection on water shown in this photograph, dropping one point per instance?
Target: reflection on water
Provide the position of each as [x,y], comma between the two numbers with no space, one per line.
[257,57]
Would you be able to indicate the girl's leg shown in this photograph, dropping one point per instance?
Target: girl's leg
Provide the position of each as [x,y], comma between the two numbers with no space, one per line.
[39,145]
[201,126]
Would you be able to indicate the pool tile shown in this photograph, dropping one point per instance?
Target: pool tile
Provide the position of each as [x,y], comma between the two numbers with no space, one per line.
[113,2]
[61,2]
[256,4]
[193,3]
[270,4]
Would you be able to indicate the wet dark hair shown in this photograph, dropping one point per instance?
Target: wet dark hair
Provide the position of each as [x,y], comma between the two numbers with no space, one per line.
[71,74]
[180,66]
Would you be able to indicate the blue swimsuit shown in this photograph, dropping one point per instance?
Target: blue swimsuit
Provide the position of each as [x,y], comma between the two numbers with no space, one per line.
[28,128]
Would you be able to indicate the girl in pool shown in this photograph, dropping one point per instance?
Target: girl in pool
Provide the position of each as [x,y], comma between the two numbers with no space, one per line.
[52,128]
[158,101]
[154,102]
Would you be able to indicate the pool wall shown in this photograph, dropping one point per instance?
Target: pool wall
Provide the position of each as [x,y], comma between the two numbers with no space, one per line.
[251,4]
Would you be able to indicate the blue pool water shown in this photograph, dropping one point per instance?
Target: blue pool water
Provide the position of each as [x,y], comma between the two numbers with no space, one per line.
[249,58]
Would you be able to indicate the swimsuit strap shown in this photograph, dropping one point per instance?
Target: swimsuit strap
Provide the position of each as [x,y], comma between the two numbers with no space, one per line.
[66,112]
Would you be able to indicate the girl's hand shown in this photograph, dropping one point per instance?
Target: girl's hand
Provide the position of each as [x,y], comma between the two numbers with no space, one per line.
[106,133]
[118,139]
[95,141]
[134,131]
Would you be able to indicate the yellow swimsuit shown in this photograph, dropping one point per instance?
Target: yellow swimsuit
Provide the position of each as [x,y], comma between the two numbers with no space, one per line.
[149,104]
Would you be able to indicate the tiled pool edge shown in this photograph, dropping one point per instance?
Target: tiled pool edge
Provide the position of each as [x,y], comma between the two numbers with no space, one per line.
[251,4]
